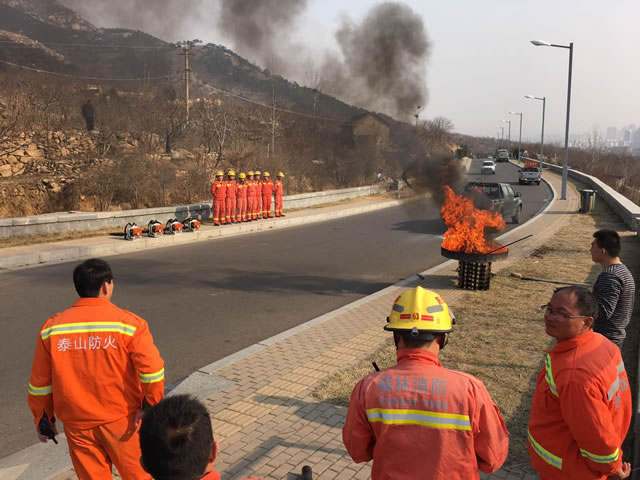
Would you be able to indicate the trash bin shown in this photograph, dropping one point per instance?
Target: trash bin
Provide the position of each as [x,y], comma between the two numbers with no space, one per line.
[587,200]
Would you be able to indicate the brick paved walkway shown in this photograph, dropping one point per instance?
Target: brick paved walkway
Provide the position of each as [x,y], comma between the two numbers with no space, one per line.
[269,424]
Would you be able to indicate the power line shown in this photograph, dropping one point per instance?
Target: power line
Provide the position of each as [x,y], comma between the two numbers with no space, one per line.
[38,70]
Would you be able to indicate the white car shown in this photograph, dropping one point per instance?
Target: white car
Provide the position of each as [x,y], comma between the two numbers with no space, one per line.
[488,167]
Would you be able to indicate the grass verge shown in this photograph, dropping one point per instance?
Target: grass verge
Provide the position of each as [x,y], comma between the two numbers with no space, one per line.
[55,237]
[499,334]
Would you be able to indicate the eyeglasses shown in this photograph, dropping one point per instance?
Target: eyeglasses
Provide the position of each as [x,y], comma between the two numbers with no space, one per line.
[559,315]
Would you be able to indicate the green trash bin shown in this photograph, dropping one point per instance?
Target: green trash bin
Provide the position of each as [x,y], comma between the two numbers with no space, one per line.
[587,200]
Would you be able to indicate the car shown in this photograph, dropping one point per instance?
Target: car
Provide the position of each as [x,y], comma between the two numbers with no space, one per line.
[488,167]
[529,175]
[502,155]
[498,197]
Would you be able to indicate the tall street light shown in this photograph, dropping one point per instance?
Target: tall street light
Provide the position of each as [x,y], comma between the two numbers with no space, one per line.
[565,163]
[509,122]
[520,136]
[544,103]
[417,114]
[502,134]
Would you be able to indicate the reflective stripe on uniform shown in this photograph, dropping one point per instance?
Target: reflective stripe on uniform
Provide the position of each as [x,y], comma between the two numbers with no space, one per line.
[545,454]
[39,391]
[152,377]
[549,375]
[601,458]
[620,367]
[84,327]
[613,389]
[419,417]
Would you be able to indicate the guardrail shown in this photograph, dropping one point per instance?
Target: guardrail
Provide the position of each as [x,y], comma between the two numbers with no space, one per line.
[74,221]
[628,211]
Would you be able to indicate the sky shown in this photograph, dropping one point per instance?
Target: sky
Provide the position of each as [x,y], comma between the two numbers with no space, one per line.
[482,62]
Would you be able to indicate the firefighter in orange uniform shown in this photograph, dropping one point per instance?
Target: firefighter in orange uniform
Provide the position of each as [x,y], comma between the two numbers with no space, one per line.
[279,190]
[241,197]
[219,193]
[95,366]
[257,212]
[251,195]
[418,419]
[267,192]
[230,208]
[581,408]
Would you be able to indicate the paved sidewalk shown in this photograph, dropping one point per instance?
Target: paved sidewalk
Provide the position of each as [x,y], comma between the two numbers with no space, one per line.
[269,424]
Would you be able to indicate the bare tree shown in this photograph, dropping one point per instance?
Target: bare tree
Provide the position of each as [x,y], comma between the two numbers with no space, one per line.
[320,81]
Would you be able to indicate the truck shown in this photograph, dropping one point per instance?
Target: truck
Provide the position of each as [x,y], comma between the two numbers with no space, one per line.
[498,197]
[502,155]
[531,173]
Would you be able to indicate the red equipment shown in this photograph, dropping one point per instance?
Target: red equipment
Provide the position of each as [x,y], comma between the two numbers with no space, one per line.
[191,224]
[132,231]
[173,226]
[155,229]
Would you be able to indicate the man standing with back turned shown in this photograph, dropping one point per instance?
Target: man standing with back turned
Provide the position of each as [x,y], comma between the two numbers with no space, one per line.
[581,407]
[95,366]
[614,288]
[418,419]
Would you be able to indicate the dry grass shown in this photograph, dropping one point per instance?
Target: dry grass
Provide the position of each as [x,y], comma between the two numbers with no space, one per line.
[55,237]
[499,334]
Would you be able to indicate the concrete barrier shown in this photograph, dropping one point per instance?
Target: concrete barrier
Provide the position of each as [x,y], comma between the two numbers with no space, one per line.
[628,211]
[74,221]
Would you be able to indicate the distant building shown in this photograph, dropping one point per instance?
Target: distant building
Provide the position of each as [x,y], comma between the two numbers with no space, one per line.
[612,133]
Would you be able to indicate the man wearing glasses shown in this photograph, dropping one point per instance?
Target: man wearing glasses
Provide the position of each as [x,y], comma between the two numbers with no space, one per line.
[581,408]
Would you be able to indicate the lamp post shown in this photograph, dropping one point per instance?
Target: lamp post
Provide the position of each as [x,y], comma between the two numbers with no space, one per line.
[544,103]
[417,114]
[520,136]
[565,163]
[509,122]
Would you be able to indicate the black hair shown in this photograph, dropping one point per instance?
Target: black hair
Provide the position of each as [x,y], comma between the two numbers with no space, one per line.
[585,301]
[90,275]
[410,341]
[176,439]
[609,240]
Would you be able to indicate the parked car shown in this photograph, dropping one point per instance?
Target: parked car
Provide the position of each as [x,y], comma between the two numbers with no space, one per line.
[499,197]
[530,175]
[488,167]
[502,155]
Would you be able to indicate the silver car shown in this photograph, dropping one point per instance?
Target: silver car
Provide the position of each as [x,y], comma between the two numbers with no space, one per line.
[488,167]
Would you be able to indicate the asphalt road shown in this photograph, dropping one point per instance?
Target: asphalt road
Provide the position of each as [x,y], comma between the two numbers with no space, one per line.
[206,300]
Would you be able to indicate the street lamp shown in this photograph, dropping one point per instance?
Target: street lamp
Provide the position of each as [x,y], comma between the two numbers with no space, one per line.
[509,122]
[417,114]
[544,103]
[502,135]
[520,136]
[565,163]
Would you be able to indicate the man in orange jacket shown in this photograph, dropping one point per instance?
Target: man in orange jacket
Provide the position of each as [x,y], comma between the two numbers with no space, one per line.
[241,196]
[267,192]
[251,195]
[279,190]
[418,419]
[94,367]
[219,193]
[581,408]
[230,208]
[177,442]
[257,213]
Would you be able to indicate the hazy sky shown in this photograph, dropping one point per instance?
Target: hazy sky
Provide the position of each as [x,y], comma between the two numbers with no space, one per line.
[481,64]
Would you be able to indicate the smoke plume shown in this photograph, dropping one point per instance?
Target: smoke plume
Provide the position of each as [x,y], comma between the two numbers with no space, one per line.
[385,60]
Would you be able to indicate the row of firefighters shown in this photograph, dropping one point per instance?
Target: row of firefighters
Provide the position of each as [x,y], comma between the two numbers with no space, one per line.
[247,199]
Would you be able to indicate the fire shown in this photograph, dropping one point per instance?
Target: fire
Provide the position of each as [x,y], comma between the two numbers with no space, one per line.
[467,225]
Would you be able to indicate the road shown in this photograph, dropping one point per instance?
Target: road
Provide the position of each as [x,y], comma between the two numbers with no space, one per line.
[206,300]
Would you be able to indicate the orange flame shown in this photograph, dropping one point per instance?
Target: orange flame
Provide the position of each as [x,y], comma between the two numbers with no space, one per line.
[467,225]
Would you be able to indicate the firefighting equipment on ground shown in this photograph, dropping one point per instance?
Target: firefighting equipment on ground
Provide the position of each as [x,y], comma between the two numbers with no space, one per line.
[93,366]
[580,411]
[173,226]
[191,224]
[132,231]
[155,229]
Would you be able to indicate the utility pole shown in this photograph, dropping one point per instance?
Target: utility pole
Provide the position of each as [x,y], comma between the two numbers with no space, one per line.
[273,119]
[186,52]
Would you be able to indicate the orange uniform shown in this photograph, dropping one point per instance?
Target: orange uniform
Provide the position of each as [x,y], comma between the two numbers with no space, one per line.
[420,420]
[93,366]
[257,212]
[267,192]
[251,199]
[219,193]
[581,410]
[279,190]
[241,197]
[230,209]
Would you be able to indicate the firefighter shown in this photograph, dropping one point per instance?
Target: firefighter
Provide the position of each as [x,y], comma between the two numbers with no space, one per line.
[258,207]
[581,407]
[241,197]
[267,192]
[251,195]
[95,367]
[418,419]
[219,192]
[230,208]
[279,190]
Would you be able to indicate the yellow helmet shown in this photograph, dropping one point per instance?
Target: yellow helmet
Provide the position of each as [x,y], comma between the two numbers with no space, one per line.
[420,311]
[280,174]
[231,173]
[266,174]
[219,173]
[242,175]
[257,172]
[250,173]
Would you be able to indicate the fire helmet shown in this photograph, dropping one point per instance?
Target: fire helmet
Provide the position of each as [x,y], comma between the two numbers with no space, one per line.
[219,173]
[242,175]
[266,174]
[231,173]
[422,313]
[250,173]
[257,172]
[280,174]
